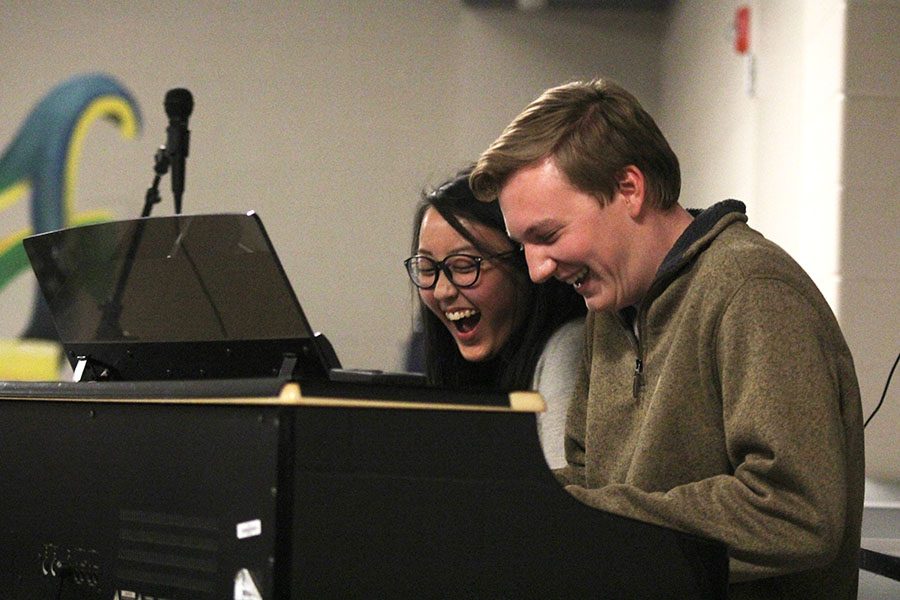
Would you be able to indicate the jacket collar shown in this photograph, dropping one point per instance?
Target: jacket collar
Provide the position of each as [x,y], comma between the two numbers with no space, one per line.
[707,224]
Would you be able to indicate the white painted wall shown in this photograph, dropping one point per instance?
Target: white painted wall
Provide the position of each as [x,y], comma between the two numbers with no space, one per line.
[709,120]
[870,220]
[327,117]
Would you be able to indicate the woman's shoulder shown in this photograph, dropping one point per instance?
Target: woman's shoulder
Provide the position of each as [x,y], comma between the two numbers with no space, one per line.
[570,333]
[562,350]
[554,374]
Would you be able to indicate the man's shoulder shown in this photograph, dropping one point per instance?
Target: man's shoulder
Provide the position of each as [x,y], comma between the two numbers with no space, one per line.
[741,252]
[741,260]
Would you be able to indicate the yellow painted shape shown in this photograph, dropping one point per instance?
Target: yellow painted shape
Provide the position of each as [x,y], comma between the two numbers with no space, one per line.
[102,107]
[13,194]
[30,360]
[86,217]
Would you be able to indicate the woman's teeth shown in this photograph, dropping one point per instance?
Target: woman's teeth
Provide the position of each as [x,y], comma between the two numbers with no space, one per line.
[460,314]
[464,320]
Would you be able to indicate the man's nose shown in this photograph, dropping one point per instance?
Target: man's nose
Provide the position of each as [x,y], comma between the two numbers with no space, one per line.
[540,266]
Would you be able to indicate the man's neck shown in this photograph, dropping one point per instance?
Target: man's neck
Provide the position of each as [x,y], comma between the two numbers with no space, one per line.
[669,226]
[660,231]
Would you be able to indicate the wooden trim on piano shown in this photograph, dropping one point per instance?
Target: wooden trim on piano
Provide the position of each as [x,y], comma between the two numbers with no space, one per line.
[292,393]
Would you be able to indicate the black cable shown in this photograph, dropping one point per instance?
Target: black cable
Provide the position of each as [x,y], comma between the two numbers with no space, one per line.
[887,384]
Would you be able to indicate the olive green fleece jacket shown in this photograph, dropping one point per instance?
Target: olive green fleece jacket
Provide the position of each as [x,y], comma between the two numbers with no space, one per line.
[733,414]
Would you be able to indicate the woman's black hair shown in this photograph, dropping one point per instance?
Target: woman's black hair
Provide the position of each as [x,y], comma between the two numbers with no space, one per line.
[545,306]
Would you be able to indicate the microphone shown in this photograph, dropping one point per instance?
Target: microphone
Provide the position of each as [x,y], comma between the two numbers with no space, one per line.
[179,103]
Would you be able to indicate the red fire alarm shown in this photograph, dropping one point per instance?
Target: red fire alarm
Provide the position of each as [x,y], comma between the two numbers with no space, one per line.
[742,30]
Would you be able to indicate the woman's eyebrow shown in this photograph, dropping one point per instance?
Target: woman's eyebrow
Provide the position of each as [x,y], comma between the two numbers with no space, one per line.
[463,249]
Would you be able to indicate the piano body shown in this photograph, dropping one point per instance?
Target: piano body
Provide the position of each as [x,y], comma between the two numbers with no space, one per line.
[260,488]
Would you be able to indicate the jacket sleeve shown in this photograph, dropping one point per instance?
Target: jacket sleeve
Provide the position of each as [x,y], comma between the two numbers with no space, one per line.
[782,506]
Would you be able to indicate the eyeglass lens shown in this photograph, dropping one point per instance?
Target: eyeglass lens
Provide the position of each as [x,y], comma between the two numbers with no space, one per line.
[462,270]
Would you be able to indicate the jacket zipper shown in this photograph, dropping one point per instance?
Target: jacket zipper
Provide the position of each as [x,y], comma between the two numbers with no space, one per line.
[638,377]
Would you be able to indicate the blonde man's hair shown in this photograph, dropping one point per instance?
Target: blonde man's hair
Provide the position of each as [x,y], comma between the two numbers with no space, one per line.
[592,130]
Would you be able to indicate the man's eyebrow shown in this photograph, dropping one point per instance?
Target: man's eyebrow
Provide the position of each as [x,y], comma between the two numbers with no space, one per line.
[536,230]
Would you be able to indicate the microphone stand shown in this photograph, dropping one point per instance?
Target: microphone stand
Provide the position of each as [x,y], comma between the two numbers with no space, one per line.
[113,309]
[109,327]
[161,167]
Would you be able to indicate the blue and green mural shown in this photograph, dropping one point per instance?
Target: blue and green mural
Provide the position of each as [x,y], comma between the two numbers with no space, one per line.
[40,166]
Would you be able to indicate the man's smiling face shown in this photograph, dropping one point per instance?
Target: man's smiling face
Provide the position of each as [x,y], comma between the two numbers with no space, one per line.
[570,235]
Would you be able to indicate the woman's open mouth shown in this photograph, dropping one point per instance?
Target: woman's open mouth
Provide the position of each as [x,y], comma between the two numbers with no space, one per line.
[464,320]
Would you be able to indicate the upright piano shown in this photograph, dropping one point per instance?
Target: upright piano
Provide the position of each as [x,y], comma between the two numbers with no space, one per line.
[265,488]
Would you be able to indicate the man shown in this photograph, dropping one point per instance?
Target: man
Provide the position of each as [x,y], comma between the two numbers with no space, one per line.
[719,397]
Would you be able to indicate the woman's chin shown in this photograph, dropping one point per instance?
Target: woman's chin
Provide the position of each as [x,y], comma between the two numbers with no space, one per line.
[475,353]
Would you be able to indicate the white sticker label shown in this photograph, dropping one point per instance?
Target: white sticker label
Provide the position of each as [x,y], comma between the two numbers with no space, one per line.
[245,587]
[249,529]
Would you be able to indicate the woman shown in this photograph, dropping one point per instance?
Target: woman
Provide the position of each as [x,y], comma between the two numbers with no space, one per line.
[485,324]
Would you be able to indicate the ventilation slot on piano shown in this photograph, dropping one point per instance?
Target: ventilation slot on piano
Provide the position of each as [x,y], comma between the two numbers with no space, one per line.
[168,552]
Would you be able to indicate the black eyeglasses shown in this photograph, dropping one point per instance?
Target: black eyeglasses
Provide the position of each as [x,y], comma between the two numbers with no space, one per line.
[461,269]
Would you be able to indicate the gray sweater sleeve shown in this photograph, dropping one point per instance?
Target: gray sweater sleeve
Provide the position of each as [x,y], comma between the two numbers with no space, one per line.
[554,377]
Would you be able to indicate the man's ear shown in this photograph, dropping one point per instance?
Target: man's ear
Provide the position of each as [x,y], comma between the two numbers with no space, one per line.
[631,188]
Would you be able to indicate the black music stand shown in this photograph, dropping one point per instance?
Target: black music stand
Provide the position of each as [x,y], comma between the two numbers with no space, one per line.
[180,297]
